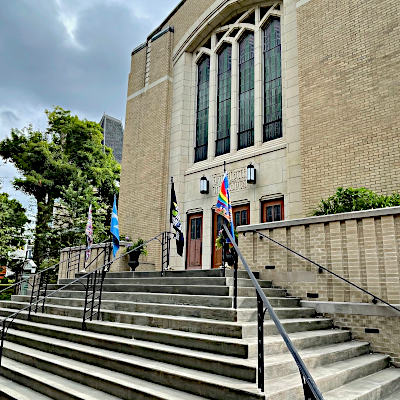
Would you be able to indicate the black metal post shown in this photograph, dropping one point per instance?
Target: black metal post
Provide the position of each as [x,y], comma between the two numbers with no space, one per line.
[3,335]
[46,281]
[103,275]
[235,282]
[93,294]
[260,342]
[84,308]
[32,294]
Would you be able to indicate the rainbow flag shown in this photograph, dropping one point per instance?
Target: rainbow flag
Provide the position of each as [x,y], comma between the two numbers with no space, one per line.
[224,206]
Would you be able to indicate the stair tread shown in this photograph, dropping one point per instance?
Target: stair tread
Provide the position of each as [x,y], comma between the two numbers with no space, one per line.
[394,396]
[74,388]
[110,375]
[18,392]
[326,371]
[135,342]
[365,385]
[88,393]
[317,351]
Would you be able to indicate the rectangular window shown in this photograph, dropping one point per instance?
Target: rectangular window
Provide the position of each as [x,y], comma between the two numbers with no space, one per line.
[246,91]
[203,81]
[272,82]
[223,144]
[272,211]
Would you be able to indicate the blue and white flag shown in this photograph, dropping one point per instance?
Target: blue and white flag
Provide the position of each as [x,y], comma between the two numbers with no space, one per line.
[114,229]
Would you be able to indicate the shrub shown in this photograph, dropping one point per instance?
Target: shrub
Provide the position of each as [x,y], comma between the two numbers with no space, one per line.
[347,200]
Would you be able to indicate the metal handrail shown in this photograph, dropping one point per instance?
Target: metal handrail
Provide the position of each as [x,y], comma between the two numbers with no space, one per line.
[40,272]
[375,298]
[310,388]
[10,318]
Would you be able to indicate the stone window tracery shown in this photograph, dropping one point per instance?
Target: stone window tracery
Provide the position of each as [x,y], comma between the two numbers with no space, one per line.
[245,51]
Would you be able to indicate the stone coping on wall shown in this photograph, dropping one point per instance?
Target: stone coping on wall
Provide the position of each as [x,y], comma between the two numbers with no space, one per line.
[335,307]
[379,212]
[95,246]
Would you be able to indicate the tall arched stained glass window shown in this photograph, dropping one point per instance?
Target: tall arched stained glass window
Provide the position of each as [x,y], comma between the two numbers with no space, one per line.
[272,81]
[246,91]
[203,85]
[223,142]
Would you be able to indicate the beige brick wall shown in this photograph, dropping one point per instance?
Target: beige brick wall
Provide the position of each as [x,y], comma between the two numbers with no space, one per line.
[137,74]
[348,57]
[186,16]
[387,341]
[144,176]
[160,62]
[363,250]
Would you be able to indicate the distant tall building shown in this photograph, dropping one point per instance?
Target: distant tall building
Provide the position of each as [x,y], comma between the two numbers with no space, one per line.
[113,134]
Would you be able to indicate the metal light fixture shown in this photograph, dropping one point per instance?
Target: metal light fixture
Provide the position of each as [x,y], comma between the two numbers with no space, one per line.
[203,185]
[251,173]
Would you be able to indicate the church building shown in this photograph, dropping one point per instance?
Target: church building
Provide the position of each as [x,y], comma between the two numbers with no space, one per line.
[304,93]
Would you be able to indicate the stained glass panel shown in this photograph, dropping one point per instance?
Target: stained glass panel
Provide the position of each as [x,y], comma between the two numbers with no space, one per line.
[246,91]
[224,101]
[272,81]
[203,86]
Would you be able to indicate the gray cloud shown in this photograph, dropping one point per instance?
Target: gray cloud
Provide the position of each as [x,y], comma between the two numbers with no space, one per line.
[69,53]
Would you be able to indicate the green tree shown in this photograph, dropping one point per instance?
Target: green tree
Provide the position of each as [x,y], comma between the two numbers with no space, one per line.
[12,223]
[68,157]
[347,200]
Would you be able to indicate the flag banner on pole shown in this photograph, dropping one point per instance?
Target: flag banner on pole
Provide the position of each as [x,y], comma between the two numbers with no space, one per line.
[224,206]
[114,229]
[89,234]
[176,222]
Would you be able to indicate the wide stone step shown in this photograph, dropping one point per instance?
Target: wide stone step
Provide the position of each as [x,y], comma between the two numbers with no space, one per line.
[202,342]
[54,339]
[167,298]
[173,289]
[284,364]
[195,325]
[327,377]
[216,272]
[189,281]
[290,325]
[61,388]
[394,396]
[160,298]
[111,380]
[304,340]
[12,390]
[224,314]
[382,385]
[251,292]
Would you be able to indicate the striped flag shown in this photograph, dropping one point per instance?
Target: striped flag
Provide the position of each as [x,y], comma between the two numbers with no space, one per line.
[89,234]
[114,228]
[224,206]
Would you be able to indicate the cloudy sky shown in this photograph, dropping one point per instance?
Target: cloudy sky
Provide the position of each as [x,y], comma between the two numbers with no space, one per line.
[70,53]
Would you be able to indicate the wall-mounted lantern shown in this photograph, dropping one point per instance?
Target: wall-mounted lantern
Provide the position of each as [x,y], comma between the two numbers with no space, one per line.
[203,185]
[251,173]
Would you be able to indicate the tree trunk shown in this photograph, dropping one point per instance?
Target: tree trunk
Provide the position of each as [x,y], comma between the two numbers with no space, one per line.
[42,235]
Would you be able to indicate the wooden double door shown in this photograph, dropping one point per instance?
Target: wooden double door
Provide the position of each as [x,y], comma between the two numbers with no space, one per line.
[241,216]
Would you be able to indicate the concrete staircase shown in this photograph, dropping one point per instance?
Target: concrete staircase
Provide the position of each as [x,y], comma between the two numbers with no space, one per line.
[177,337]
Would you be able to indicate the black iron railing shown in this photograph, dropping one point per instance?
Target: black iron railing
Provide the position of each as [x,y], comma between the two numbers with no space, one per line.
[311,391]
[375,299]
[93,291]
